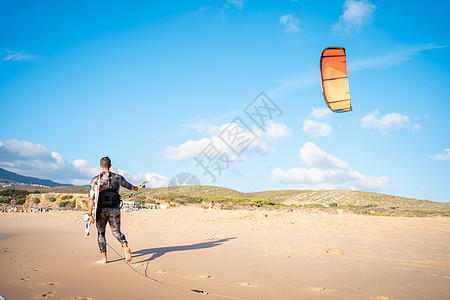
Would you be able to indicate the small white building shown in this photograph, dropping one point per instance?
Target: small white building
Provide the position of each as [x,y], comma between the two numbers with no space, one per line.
[131,204]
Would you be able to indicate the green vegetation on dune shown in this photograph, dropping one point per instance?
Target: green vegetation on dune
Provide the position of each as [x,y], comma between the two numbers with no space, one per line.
[230,202]
[19,195]
[191,191]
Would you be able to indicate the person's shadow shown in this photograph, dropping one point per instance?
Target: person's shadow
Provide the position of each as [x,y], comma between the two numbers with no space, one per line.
[158,252]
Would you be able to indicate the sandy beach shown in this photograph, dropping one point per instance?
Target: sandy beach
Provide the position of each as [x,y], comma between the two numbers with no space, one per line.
[228,254]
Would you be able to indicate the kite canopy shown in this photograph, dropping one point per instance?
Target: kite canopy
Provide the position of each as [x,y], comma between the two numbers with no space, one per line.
[333,70]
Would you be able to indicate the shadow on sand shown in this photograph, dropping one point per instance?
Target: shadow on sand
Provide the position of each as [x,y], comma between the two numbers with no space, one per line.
[158,252]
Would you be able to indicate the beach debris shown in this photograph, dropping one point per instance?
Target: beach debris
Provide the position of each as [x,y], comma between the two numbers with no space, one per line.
[334,251]
[242,283]
[49,294]
[160,271]
[246,284]
[200,292]
[22,280]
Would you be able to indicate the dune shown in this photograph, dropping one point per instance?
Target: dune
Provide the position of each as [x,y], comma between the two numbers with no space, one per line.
[193,253]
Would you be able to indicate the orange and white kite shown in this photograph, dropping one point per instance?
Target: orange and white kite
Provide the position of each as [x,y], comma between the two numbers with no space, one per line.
[334,75]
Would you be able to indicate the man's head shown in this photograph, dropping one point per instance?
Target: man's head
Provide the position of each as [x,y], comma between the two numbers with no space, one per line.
[105,163]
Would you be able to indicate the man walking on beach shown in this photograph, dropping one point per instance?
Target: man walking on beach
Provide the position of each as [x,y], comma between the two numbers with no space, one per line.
[108,206]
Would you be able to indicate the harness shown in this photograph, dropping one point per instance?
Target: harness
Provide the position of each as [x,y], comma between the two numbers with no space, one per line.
[110,197]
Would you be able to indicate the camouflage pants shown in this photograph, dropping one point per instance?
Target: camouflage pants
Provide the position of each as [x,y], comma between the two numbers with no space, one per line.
[111,215]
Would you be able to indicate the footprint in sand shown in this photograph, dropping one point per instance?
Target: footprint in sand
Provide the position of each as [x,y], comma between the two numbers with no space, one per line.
[22,280]
[49,294]
[320,289]
[335,251]
[246,284]
[317,289]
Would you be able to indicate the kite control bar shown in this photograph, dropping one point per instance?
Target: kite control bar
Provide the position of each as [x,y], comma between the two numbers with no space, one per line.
[136,191]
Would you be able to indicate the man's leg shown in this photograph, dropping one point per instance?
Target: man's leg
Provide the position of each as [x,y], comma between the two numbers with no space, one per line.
[114,222]
[101,220]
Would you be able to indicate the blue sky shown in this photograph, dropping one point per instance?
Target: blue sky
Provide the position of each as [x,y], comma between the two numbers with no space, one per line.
[160,86]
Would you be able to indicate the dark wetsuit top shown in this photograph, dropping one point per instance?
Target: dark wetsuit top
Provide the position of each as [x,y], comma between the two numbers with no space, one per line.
[108,180]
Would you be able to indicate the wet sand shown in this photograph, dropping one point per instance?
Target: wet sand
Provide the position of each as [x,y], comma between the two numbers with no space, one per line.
[228,254]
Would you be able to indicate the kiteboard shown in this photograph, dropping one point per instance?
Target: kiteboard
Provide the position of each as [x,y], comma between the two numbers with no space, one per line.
[95,194]
[87,224]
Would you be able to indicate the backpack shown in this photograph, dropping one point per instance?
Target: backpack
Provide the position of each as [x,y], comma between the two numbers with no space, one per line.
[108,198]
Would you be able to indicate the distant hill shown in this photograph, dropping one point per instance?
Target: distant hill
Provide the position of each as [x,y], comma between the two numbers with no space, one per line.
[8,178]
[353,201]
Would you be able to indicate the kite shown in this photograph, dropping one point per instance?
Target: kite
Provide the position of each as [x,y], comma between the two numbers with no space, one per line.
[334,78]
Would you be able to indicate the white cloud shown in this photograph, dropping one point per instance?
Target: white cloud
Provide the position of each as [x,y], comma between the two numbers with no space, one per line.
[239,4]
[320,113]
[314,127]
[193,148]
[391,121]
[277,131]
[25,158]
[417,127]
[83,167]
[187,150]
[154,180]
[291,23]
[326,172]
[315,157]
[12,55]
[258,141]
[291,84]
[35,160]
[356,14]
[443,156]
[317,129]
[397,56]
[26,149]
